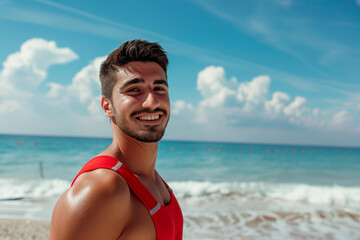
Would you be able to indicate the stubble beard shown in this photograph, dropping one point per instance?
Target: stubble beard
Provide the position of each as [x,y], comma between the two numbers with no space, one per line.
[151,134]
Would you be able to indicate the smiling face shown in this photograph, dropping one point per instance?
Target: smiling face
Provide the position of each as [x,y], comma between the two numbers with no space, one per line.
[140,101]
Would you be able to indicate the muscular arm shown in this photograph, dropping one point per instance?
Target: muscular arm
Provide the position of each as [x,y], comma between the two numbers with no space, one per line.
[97,206]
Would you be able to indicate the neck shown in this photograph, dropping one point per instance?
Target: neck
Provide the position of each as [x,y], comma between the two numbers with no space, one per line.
[139,157]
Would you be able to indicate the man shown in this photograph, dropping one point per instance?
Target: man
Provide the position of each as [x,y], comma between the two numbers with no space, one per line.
[118,194]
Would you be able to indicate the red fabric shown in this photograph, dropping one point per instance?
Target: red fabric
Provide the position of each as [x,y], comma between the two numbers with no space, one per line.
[168,220]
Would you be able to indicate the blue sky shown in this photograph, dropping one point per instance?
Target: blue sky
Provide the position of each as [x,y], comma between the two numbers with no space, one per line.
[269,71]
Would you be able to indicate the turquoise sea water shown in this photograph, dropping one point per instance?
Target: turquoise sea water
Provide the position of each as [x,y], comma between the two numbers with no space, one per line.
[248,190]
[62,157]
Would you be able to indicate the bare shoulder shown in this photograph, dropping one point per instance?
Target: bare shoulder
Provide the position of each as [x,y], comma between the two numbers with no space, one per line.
[97,206]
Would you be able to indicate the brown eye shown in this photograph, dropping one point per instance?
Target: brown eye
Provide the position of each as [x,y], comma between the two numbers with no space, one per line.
[159,89]
[134,90]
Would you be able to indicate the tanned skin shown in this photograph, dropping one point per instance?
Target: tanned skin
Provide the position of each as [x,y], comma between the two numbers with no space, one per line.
[100,204]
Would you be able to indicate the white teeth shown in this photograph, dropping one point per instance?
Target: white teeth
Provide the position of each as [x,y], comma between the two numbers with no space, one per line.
[150,118]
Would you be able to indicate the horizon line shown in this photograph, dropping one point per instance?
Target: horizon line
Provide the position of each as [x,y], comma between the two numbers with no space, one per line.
[184,140]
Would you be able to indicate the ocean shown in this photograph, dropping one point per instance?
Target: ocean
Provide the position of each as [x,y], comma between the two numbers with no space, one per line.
[226,190]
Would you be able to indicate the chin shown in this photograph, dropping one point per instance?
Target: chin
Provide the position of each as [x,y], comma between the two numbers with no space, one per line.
[149,137]
[145,136]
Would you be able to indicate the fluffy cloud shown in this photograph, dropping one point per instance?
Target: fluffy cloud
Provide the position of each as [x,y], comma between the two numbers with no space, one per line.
[248,100]
[84,88]
[94,107]
[253,93]
[276,105]
[86,83]
[181,106]
[65,109]
[340,120]
[296,108]
[215,89]
[211,83]
[55,90]
[247,104]
[23,71]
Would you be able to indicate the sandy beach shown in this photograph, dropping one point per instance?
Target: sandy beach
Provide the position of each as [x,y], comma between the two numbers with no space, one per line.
[23,229]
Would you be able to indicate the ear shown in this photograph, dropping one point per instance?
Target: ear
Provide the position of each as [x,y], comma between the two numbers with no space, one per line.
[107,106]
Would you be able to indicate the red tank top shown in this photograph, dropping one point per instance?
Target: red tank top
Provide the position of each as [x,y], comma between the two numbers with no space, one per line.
[168,219]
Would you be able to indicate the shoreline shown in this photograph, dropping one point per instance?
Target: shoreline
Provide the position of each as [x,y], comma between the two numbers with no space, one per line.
[24,229]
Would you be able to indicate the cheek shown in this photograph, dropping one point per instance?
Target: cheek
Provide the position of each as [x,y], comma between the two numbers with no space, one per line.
[165,99]
[166,102]
[127,103]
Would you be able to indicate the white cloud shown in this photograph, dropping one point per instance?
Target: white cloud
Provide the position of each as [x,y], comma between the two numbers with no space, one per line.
[296,108]
[358,2]
[180,106]
[247,106]
[217,99]
[95,107]
[276,105]
[22,74]
[211,83]
[86,83]
[215,89]
[254,92]
[209,80]
[55,89]
[65,109]
[23,71]
[9,106]
[84,88]
[340,121]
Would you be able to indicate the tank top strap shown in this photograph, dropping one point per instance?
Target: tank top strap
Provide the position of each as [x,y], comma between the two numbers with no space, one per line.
[108,162]
[138,188]
[96,163]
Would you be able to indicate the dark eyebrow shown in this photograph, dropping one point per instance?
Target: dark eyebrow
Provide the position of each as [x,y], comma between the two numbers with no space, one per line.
[131,82]
[163,82]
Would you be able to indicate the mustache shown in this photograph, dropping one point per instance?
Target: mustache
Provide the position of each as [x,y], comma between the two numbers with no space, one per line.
[133,114]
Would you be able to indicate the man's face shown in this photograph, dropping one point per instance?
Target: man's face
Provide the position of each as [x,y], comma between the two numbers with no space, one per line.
[141,101]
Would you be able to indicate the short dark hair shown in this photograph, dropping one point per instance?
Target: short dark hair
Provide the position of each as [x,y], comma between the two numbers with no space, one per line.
[135,50]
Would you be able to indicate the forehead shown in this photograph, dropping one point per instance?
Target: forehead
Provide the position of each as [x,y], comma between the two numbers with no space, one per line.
[142,70]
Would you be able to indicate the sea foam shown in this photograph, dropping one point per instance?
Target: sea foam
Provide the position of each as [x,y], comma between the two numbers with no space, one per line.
[31,188]
[332,195]
[260,210]
[223,210]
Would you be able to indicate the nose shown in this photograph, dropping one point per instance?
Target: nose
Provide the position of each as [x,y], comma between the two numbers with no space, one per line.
[151,102]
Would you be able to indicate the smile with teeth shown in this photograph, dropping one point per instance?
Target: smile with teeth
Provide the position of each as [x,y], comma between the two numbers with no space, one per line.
[149,118]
